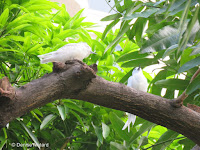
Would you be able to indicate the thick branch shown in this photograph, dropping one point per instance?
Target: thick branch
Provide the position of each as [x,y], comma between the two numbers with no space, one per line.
[79,81]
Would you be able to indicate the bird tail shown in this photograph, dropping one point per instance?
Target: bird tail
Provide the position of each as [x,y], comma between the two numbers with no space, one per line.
[45,58]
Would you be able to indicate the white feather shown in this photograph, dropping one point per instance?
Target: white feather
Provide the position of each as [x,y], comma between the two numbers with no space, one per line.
[68,52]
[138,82]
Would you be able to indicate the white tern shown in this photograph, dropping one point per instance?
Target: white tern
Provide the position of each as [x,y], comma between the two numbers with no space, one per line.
[138,82]
[67,52]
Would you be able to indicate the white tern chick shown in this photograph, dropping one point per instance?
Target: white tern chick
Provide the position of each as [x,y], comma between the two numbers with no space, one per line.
[67,52]
[138,82]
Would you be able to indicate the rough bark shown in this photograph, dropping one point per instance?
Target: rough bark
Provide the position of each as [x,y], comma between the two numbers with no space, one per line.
[76,80]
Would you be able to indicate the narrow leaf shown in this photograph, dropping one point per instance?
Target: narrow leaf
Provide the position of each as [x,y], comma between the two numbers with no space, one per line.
[47,120]
[111,17]
[165,137]
[75,107]
[194,85]
[33,137]
[117,146]
[145,127]
[163,39]
[190,64]
[62,111]
[98,132]
[144,14]
[106,130]
[118,124]
[124,29]
[108,28]
[139,62]
[4,17]
[173,84]
[78,117]
[130,56]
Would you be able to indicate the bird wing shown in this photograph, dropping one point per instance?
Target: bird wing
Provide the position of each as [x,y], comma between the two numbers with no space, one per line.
[130,80]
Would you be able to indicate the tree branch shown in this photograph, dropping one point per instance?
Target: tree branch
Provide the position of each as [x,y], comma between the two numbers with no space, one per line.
[76,80]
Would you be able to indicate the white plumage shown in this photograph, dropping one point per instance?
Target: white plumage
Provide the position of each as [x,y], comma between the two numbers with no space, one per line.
[68,52]
[138,82]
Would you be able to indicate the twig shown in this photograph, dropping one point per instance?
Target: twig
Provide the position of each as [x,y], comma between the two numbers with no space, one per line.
[164,142]
[178,102]
[112,8]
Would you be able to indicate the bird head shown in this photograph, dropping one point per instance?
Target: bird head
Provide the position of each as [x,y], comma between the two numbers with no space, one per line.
[136,70]
[87,49]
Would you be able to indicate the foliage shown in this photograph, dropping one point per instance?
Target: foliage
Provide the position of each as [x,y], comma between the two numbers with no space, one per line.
[150,33]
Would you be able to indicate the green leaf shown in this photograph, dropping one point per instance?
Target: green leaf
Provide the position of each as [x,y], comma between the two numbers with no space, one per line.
[35,115]
[118,124]
[74,106]
[143,141]
[111,17]
[145,127]
[190,64]
[125,78]
[78,117]
[130,56]
[170,50]
[106,130]
[188,144]
[20,27]
[4,17]
[173,84]
[35,48]
[47,120]
[37,111]
[7,50]
[108,28]
[143,62]
[33,137]
[19,7]
[117,146]
[66,33]
[16,38]
[46,67]
[118,6]
[110,60]
[164,140]
[196,49]
[62,111]
[194,85]
[163,39]
[144,14]
[124,28]
[3,142]
[192,29]
[98,132]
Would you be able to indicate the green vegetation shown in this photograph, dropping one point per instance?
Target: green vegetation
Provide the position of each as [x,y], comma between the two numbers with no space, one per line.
[149,32]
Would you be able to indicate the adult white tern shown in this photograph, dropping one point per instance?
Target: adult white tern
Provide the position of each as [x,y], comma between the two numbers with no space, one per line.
[138,82]
[67,52]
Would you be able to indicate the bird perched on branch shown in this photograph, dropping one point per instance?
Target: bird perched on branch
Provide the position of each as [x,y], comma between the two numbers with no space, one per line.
[70,51]
[138,82]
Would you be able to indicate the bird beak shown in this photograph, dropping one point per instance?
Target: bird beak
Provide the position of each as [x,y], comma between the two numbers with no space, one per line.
[93,52]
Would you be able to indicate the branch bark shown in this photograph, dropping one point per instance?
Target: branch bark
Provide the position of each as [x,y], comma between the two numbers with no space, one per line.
[76,80]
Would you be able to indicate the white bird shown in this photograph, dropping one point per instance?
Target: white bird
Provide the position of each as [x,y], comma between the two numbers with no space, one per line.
[138,82]
[67,52]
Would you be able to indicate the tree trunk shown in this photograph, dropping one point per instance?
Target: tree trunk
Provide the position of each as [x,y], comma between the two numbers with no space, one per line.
[76,80]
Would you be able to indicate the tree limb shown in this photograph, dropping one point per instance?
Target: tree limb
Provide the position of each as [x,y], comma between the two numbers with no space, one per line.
[76,80]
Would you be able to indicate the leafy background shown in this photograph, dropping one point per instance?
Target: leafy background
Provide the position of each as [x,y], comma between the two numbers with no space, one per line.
[163,32]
